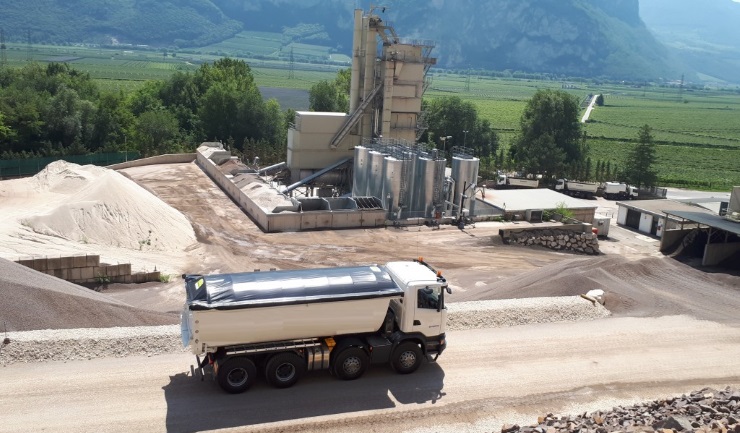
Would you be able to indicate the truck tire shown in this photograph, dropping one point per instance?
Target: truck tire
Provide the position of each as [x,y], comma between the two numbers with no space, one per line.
[236,374]
[407,357]
[284,369]
[350,363]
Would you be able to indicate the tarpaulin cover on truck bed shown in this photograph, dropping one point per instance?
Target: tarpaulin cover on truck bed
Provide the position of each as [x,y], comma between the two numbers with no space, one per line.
[261,289]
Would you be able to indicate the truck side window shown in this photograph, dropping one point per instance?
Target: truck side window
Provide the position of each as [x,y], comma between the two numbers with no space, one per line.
[427,298]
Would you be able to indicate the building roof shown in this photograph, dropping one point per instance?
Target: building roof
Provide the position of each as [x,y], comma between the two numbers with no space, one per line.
[660,207]
[320,113]
[710,220]
[513,200]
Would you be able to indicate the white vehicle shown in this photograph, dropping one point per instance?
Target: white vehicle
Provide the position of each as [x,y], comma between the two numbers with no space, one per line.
[285,323]
[577,189]
[504,181]
[619,191]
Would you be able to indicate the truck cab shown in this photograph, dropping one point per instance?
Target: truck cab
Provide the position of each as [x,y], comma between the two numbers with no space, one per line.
[422,309]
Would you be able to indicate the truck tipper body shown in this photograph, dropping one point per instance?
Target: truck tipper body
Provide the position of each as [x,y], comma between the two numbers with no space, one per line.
[576,188]
[284,323]
[504,181]
[619,191]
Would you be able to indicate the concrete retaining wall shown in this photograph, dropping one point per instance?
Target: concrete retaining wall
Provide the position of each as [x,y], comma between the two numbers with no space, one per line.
[87,269]
[174,158]
[288,221]
[714,254]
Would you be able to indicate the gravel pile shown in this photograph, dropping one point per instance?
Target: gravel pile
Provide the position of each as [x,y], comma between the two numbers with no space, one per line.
[707,410]
[80,344]
[30,300]
[513,312]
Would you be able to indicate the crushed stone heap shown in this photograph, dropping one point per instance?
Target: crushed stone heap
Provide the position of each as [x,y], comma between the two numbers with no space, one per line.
[30,300]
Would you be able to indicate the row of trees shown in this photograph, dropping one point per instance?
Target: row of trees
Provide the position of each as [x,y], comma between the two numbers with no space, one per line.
[550,140]
[55,110]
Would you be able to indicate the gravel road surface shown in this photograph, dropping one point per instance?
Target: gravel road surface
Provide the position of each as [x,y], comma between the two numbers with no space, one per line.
[486,378]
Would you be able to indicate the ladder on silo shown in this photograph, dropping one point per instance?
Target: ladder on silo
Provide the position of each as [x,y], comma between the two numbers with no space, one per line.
[439,175]
[354,117]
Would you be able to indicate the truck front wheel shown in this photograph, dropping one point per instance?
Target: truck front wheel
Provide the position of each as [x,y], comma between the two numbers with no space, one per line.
[351,363]
[236,375]
[284,369]
[406,358]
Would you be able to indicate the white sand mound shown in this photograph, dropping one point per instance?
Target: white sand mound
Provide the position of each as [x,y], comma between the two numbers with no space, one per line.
[101,206]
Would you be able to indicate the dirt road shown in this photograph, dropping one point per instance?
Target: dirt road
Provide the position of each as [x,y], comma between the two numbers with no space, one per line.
[485,378]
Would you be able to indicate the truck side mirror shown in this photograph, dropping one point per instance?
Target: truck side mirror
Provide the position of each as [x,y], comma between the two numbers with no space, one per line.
[448,290]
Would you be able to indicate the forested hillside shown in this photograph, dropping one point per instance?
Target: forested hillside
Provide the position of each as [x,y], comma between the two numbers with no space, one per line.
[569,37]
[151,22]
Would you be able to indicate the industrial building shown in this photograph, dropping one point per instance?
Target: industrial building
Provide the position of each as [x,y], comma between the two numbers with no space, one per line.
[524,204]
[689,229]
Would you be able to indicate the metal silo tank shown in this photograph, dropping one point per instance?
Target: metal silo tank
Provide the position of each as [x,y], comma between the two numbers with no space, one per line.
[375,174]
[465,173]
[392,184]
[409,178]
[360,168]
[424,198]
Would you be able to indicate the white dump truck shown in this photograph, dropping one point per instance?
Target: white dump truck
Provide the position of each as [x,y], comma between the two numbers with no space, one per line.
[284,323]
[618,191]
[504,181]
[576,188]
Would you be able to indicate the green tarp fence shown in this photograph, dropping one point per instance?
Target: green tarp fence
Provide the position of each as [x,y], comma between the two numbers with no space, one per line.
[31,166]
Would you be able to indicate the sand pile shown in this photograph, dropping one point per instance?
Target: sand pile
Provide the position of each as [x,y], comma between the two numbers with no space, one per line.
[646,287]
[101,206]
[30,300]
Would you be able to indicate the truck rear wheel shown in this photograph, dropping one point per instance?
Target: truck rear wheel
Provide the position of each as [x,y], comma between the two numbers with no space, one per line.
[407,358]
[236,375]
[284,369]
[351,363]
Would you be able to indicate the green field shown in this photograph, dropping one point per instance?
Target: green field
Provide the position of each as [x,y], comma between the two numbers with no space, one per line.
[697,131]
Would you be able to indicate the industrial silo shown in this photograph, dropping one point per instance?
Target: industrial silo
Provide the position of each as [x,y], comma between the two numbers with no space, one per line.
[375,174]
[408,178]
[423,202]
[465,174]
[392,173]
[360,169]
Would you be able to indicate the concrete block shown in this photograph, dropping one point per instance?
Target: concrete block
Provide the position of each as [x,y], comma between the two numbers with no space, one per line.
[54,263]
[59,273]
[67,262]
[93,260]
[27,263]
[75,274]
[124,269]
[40,264]
[153,276]
[127,279]
[79,261]
[88,273]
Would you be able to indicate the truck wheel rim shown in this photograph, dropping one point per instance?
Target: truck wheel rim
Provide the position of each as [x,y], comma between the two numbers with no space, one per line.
[237,377]
[407,359]
[352,365]
[285,372]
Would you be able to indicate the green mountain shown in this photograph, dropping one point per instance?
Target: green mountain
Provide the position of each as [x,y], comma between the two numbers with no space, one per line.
[705,34]
[569,37]
[149,22]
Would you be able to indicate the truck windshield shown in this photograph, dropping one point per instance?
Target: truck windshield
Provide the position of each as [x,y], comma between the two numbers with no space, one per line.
[429,297]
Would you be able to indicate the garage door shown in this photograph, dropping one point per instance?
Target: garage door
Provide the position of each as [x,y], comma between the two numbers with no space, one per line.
[633,219]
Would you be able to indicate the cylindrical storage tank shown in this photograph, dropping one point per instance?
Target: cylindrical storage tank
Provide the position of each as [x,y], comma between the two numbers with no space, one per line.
[375,174]
[424,197]
[359,174]
[409,177]
[439,180]
[392,184]
[465,173]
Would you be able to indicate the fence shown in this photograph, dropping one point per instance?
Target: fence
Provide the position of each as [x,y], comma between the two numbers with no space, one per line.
[10,168]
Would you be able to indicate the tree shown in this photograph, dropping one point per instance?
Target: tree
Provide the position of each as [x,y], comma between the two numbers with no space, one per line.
[323,97]
[154,132]
[4,130]
[550,140]
[453,117]
[640,170]
[600,100]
